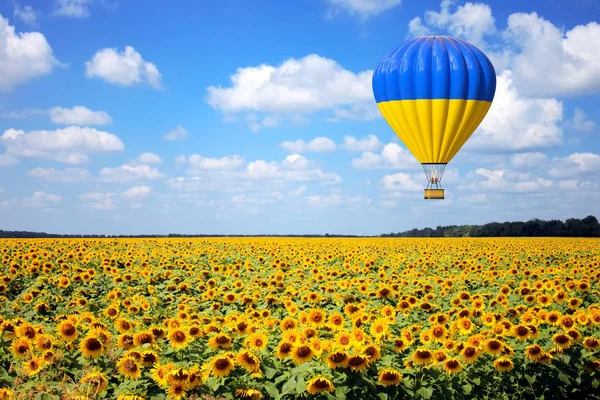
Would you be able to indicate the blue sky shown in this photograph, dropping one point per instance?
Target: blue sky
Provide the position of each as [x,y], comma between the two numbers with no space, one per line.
[258,117]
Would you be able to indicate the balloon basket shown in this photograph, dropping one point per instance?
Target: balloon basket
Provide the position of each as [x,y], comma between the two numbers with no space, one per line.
[434,194]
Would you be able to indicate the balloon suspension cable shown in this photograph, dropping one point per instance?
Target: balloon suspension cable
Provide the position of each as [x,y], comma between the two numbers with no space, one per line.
[434,173]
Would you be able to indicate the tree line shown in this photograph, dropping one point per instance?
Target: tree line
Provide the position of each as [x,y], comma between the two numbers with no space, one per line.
[572,227]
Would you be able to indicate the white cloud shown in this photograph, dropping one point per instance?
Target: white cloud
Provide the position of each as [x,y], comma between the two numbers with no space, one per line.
[515,123]
[317,145]
[505,181]
[72,8]
[122,68]
[526,161]
[545,60]
[149,159]
[69,145]
[98,200]
[137,192]
[129,172]
[337,200]
[79,115]
[393,156]
[368,143]
[575,165]
[25,14]
[296,87]
[177,133]
[41,200]
[362,8]
[551,62]
[580,123]
[196,163]
[298,191]
[23,56]
[471,21]
[6,160]
[57,175]
[400,182]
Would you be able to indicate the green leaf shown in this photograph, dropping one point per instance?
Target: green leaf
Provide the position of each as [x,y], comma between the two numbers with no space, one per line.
[425,392]
[382,396]
[300,386]
[467,388]
[271,390]
[289,387]
[564,378]
[530,379]
[477,381]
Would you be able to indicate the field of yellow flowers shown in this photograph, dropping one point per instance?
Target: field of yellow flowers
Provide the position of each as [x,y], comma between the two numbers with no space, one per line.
[299,318]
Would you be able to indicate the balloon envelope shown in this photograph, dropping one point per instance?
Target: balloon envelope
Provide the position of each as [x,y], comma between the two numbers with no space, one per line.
[434,91]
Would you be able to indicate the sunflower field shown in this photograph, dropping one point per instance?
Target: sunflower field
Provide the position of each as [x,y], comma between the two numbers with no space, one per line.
[134,319]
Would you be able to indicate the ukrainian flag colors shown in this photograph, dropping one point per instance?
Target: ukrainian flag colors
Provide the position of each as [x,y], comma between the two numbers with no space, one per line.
[434,91]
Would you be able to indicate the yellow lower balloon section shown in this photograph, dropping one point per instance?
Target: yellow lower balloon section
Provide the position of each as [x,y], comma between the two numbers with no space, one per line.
[434,130]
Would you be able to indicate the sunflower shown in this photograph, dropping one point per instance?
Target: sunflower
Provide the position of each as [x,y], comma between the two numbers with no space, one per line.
[67,331]
[176,392]
[452,366]
[379,328]
[284,349]
[534,352]
[91,347]
[160,374]
[521,332]
[178,338]
[503,364]
[257,341]
[220,341]
[563,341]
[335,321]
[470,354]
[465,326]
[591,343]
[221,365]
[20,347]
[546,358]
[26,330]
[251,394]
[438,333]
[142,338]
[344,340]
[372,352]
[493,346]
[129,368]
[316,317]
[319,384]
[125,341]
[389,377]
[33,366]
[422,356]
[301,353]
[337,359]
[358,363]
[149,358]
[288,323]
[194,378]
[248,361]
[97,381]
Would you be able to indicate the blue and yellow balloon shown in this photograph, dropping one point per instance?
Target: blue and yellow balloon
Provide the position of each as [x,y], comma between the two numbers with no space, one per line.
[434,91]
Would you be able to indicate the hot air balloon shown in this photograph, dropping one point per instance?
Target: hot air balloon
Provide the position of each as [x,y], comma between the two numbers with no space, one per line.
[434,91]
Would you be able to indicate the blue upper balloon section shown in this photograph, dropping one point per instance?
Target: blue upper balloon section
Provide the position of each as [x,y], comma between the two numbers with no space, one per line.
[434,67]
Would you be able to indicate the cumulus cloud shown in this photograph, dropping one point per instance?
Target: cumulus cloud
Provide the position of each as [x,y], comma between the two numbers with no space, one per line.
[58,175]
[177,133]
[295,87]
[505,181]
[317,145]
[124,68]
[362,8]
[98,200]
[41,200]
[400,182]
[575,165]
[23,56]
[69,145]
[196,163]
[517,123]
[25,13]
[79,115]
[392,156]
[368,143]
[580,123]
[130,172]
[72,8]
[137,192]
[527,161]
[149,159]
[337,200]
